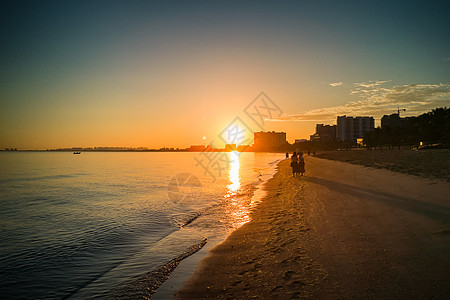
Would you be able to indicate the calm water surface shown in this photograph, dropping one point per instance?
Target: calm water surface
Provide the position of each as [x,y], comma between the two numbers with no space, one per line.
[81,225]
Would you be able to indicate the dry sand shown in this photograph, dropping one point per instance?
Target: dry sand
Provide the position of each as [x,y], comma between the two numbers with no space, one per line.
[342,231]
[432,163]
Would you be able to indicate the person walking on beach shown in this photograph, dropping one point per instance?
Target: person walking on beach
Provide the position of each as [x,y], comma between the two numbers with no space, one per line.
[294,164]
[301,164]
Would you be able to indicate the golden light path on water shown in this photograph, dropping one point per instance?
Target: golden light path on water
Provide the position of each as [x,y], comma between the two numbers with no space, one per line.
[234,173]
[238,208]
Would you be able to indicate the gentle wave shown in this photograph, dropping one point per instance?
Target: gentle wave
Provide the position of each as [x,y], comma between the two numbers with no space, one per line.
[78,233]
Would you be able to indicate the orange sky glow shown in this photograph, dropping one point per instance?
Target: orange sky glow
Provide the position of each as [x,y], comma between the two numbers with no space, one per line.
[147,75]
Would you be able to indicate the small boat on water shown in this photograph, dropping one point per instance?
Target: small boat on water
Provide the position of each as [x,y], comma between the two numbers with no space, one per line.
[77,153]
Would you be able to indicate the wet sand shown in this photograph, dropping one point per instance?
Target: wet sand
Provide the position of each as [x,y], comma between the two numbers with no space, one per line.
[143,287]
[342,231]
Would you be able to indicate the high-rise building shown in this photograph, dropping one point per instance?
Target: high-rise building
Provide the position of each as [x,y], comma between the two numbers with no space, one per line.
[350,128]
[324,133]
[267,141]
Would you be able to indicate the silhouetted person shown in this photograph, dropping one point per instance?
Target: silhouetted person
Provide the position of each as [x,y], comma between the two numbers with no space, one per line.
[287,154]
[294,163]
[301,164]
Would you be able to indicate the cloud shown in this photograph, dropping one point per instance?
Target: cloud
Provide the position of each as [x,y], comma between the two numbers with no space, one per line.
[370,84]
[377,101]
[335,84]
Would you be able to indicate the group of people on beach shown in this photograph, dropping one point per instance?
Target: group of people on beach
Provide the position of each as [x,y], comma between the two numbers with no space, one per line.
[297,164]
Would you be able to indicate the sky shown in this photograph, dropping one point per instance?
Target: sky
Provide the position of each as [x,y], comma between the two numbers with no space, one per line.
[178,73]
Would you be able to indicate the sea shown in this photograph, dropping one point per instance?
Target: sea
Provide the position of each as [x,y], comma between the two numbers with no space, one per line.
[78,226]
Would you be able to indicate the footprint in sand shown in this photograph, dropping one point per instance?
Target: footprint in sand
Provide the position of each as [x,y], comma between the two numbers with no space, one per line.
[275,250]
[286,261]
[276,289]
[237,282]
[299,258]
[296,283]
[289,274]
[257,266]
[287,243]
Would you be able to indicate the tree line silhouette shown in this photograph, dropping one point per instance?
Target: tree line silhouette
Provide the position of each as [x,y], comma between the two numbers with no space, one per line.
[429,128]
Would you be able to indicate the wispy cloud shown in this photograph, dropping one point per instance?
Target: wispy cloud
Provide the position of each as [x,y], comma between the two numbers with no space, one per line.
[335,84]
[370,84]
[377,101]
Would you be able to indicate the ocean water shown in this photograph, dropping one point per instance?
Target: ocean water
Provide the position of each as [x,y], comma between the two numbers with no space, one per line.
[81,226]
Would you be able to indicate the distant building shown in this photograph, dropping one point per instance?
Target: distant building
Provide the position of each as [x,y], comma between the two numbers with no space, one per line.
[230,147]
[197,148]
[267,141]
[393,121]
[350,128]
[243,148]
[314,137]
[298,141]
[324,133]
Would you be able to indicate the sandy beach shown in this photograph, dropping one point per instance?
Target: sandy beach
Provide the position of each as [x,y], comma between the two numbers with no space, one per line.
[341,231]
[432,163]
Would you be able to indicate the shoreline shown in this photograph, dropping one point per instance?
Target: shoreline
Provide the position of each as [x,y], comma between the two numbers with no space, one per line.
[333,233]
[186,268]
[146,285]
[142,277]
[237,258]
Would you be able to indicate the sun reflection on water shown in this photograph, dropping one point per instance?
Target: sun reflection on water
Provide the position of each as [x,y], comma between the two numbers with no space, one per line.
[237,206]
[234,173]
